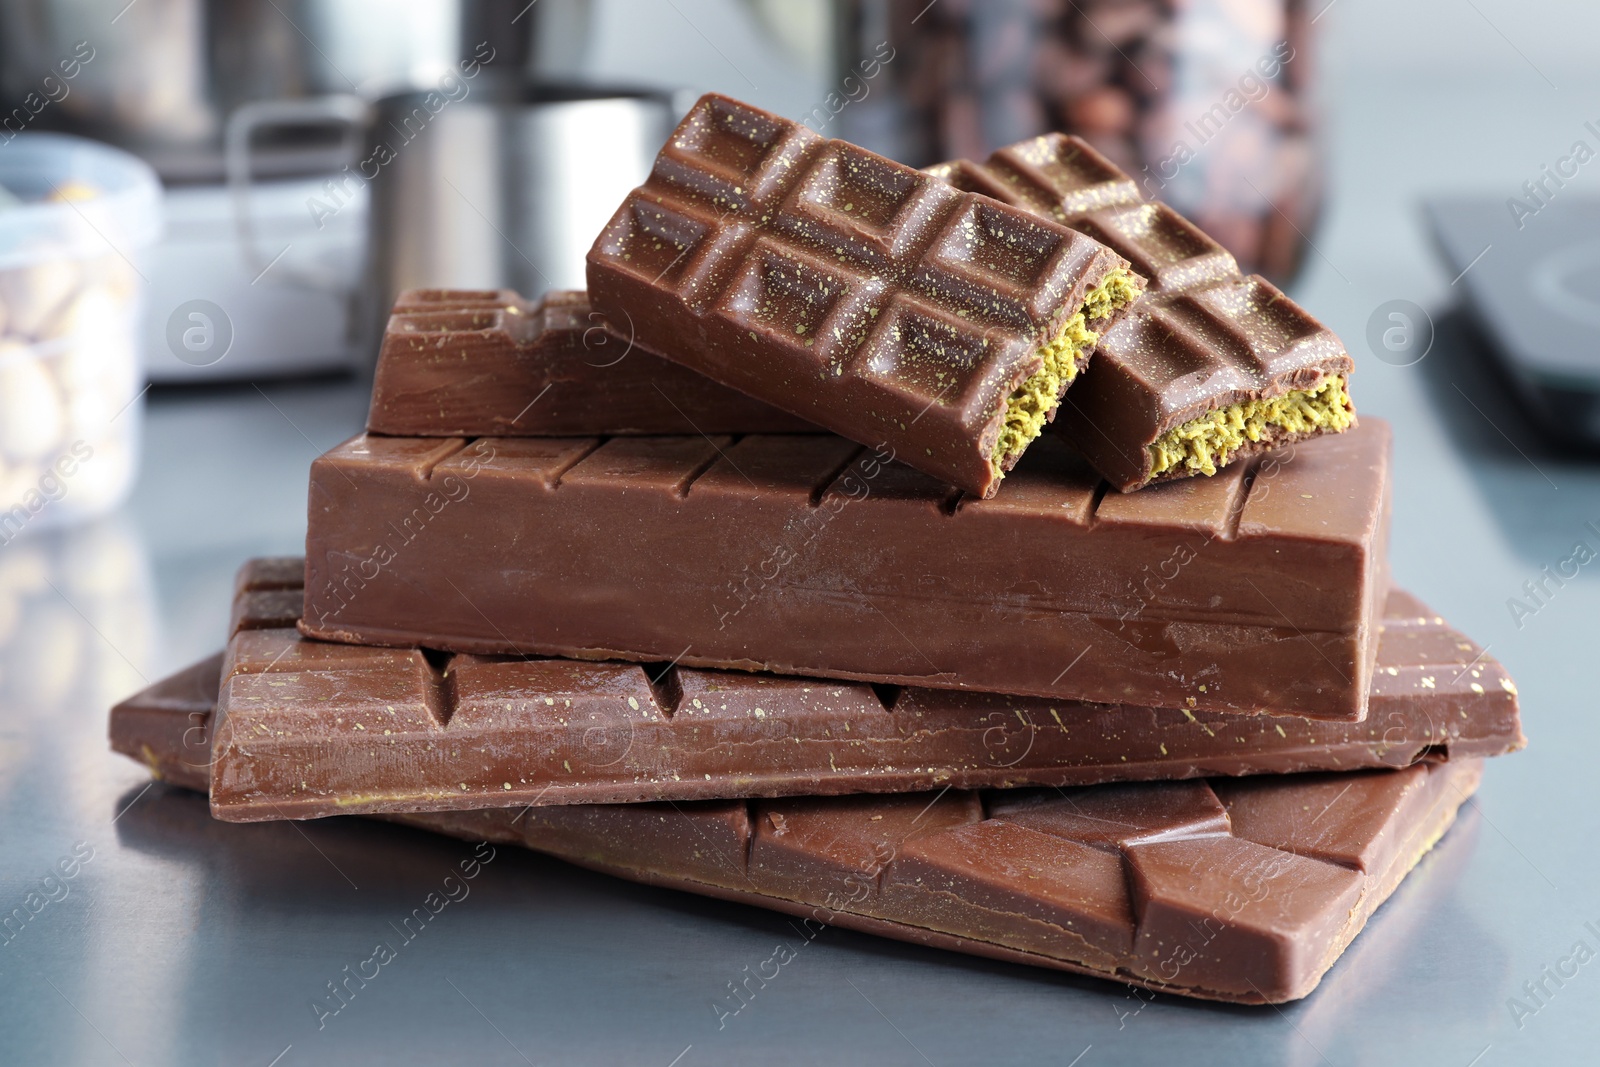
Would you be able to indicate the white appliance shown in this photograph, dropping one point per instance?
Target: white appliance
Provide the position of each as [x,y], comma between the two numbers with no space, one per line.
[295,317]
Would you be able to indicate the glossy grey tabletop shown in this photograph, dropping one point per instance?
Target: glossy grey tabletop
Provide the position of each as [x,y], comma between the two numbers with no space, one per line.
[184,941]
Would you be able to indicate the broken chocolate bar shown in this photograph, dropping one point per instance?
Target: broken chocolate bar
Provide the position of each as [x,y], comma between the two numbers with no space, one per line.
[1259,590]
[306,728]
[474,361]
[1243,890]
[859,294]
[1209,366]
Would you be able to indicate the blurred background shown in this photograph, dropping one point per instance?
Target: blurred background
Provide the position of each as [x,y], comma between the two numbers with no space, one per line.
[206,208]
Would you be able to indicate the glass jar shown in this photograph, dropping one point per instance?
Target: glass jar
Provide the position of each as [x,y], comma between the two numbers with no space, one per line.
[76,219]
[1205,102]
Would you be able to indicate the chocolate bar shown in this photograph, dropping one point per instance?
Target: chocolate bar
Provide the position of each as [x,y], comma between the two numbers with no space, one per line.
[1257,590]
[857,293]
[1242,890]
[307,729]
[484,361]
[1211,365]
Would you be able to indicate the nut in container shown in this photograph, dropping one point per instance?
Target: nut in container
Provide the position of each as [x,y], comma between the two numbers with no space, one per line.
[75,219]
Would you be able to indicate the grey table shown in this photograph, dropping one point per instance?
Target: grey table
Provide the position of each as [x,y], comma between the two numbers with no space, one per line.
[183,941]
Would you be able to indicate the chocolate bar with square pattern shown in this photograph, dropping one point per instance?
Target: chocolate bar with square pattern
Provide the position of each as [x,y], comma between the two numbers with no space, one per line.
[1209,366]
[1243,890]
[857,293]
[307,729]
[486,361]
[1259,590]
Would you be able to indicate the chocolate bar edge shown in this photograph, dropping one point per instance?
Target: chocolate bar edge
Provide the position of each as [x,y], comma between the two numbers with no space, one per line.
[414,394]
[1460,779]
[1411,733]
[1342,671]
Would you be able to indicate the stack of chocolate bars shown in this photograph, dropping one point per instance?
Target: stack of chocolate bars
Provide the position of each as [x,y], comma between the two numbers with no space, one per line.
[759,571]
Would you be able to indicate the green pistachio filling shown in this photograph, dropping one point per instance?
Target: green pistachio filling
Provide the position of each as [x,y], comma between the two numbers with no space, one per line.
[1030,405]
[1204,444]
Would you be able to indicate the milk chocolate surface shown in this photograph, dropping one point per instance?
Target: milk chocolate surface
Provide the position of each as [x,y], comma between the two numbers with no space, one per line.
[1258,590]
[1203,340]
[476,361]
[1242,890]
[308,729]
[859,294]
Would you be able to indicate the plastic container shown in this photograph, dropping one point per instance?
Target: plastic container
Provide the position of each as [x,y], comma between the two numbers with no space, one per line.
[73,232]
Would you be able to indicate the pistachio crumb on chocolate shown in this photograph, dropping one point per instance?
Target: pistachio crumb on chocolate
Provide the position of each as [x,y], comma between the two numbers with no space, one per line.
[1064,356]
[1205,444]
